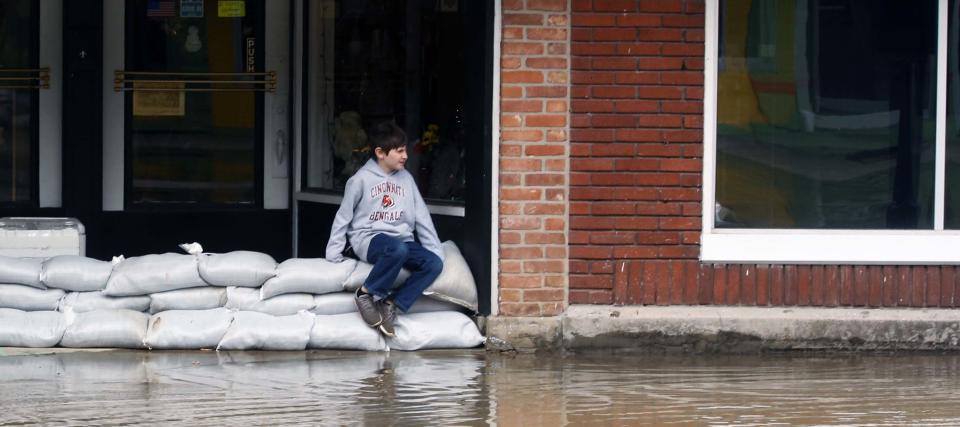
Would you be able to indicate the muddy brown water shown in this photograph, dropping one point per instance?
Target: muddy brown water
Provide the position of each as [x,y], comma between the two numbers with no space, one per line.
[476,388]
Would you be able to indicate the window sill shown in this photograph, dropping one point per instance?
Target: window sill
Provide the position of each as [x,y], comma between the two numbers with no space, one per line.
[334,199]
[884,247]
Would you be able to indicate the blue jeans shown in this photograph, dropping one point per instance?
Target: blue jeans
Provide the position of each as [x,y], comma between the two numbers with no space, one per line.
[388,255]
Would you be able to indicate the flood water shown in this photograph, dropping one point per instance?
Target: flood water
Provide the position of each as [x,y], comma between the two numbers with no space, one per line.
[477,388]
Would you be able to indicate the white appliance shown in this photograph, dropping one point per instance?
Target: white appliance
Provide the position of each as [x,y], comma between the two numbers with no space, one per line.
[41,237]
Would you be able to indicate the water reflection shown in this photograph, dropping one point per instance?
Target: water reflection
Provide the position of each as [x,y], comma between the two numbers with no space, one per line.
[474,388]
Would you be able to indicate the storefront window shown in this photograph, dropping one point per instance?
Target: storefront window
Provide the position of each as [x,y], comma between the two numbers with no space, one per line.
[826,114]
[371,61]
[194,141]
[952,179]
[19,33]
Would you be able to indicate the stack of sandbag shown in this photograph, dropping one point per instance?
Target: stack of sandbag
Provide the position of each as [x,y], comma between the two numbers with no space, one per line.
[234,301]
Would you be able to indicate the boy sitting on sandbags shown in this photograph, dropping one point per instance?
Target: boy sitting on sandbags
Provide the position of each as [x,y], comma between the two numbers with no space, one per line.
[381,210]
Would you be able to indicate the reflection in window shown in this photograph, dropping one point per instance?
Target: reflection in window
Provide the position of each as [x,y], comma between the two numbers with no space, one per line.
[371,61]
[825,114]
[952,179]
[19,35]
[193,147]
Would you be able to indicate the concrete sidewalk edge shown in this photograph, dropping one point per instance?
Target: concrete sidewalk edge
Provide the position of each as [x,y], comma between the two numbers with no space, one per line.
[729,329]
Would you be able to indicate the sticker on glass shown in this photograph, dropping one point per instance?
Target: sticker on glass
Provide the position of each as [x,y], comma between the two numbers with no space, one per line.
[191,8]
[232,8]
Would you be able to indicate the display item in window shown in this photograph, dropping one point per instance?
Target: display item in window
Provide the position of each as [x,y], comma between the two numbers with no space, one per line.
[349,144]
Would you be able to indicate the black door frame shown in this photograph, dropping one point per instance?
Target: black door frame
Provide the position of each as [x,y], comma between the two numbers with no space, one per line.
[472,232]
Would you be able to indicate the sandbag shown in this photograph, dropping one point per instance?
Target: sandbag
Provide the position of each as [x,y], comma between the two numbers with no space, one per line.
[237,268]
[248,299]
[106,328]
[188,299]
[360,273]
[455,283]
[39,329]
[427,304]
[343,302]
[345,332]
[188,329]
[442,329]
[21,271]
[308,275]
[28,298]
[81,302]
[335,303]
[150,274]
[258,331]
[75,273]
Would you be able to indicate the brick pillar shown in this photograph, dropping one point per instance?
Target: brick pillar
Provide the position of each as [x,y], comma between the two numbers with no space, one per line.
[636,132]
[534,101]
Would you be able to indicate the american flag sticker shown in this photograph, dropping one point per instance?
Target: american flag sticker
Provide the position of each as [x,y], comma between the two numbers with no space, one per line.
[161,8]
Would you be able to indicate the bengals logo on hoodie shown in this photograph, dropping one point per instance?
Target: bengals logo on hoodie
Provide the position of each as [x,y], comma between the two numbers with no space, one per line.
[387,192]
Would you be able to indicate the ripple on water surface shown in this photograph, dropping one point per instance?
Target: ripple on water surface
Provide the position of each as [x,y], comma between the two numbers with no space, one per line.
[471,388]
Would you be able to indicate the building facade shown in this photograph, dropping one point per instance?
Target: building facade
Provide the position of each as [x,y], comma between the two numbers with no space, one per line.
[753,153]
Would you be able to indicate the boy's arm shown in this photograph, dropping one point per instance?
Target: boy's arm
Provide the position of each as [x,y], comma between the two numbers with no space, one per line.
[338,231]
[424,226]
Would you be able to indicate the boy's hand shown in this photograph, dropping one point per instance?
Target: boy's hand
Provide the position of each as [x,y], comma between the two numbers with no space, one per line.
[336,260]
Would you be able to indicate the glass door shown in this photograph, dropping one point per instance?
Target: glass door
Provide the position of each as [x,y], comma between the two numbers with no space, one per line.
[194,125]
[194,81]
[20,81]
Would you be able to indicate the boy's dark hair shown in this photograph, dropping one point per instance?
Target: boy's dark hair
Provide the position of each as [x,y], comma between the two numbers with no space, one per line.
[387,136]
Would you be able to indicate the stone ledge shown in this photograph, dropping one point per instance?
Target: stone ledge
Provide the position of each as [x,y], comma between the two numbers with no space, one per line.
[523,333]
[700,329]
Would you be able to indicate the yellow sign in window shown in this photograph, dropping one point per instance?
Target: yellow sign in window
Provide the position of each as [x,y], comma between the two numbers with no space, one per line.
[232,8]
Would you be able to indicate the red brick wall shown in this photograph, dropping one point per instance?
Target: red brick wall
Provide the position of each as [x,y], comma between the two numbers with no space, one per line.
[636,157]
[534,162]
[635,150]
[666,282]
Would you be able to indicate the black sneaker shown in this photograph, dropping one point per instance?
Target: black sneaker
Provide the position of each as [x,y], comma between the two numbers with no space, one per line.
[388,316]
[368,309]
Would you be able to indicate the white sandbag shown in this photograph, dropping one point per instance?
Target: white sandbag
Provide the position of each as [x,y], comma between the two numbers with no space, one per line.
[28,298]
[248,299]
[188,299]
[150,274]
[38,329]
[345,332]
[106,329]
[188,329]
[426,304]
[238,268]
[335,303]
[343,302]
[442,329]
[308,275]
[81,302]
[360,273]
[21,271]
[455,283]
[75,273]
[258,331]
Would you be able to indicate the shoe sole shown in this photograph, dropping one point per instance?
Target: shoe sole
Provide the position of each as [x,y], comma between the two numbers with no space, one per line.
[391,335]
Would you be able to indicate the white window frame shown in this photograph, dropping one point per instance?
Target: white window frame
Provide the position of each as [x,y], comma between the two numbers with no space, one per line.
[817,246]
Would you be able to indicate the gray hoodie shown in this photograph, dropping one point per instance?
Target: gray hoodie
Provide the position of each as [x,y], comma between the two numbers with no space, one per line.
[375,202]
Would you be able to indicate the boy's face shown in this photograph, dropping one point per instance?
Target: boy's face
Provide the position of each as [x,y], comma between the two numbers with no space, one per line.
[392,160]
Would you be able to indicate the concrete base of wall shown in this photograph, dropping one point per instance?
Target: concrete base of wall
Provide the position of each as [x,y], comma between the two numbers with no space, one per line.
[701,329]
